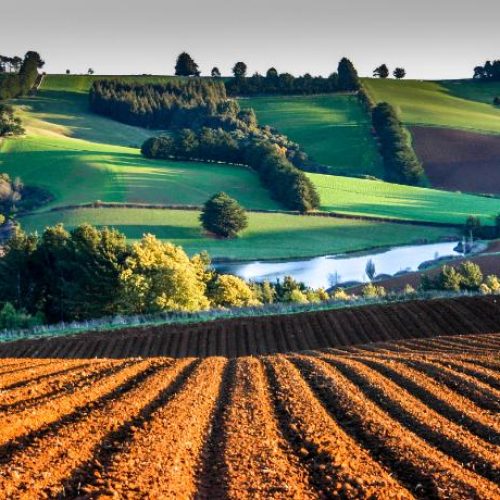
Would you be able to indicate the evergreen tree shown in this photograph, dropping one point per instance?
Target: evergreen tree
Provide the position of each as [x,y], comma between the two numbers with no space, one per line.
[399,73]
[215,72]
[348,76]
[240,69]
[223,216]
[185,66]
[381,71]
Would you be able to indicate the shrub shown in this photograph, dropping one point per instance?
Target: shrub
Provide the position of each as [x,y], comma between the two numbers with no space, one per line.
[231,291]
[471,274]
[340,294]
[409,290]
[223,216]
[371,291]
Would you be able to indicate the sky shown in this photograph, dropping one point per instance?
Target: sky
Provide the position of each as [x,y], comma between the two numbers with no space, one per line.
[432,39]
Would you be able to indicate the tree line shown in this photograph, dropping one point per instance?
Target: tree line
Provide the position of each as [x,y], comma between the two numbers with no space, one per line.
[287,184]
[346,79]
[177,103]
[400,161]
[490,71]
[20,78]
[89,273]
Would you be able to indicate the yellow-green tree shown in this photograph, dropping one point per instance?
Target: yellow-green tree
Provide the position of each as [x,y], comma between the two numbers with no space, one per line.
[231,291]
[161,277]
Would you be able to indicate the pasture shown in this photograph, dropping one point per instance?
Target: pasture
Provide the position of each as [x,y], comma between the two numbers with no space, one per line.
[382,199]
[438,104]
[268,236]
[332,129]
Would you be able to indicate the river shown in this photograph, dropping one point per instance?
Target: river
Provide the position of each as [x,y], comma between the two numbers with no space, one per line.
[329,270]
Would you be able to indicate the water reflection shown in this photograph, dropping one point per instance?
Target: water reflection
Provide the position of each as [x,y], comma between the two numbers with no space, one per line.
[329,270]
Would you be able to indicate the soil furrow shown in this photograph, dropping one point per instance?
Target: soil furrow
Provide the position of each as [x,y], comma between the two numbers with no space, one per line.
[427,472]
[337,465]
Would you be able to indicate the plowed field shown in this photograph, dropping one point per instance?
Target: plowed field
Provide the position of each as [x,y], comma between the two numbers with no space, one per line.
[412,418]
[275,334]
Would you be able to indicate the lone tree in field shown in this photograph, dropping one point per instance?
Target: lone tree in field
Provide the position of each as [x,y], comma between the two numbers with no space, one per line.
[186,66]
[348,76]
[399,73]
[223,216]
[90,71]
[381,72]
[215,72]
[240,69]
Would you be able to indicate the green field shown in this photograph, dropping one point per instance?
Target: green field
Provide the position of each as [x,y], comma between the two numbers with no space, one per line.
[82,157]
[268,235]
[382,199]
[459,105]
[332,129]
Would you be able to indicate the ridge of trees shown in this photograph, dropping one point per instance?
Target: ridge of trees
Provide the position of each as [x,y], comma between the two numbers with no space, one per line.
[400,161]
[490,71]
[345,79]
[21,76]
[287,184]
[89,273]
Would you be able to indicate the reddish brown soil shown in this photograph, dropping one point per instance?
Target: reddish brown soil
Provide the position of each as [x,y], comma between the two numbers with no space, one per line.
[274,334]
[413,418]
[458,160]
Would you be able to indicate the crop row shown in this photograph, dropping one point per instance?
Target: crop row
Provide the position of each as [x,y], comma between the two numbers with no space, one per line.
[387,422]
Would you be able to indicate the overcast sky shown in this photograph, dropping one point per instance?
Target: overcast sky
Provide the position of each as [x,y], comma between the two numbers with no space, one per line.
[431,38]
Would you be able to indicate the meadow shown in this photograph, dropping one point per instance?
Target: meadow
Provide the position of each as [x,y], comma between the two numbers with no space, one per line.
[332,129]
[382,199]
[268,236]
[462,105]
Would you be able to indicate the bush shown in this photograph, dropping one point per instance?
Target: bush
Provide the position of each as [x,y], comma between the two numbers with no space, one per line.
[471,274]
[223,216]
[340,294]
[371,291]
[11,319]
[231,291]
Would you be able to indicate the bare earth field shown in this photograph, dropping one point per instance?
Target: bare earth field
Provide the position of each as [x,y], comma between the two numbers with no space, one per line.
[458,160]
[259,335]
[406,419]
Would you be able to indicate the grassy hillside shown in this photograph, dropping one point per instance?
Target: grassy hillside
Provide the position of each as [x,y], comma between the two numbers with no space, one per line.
[332,129]
[83,157]
[440,104]
[268,235]
[377,198]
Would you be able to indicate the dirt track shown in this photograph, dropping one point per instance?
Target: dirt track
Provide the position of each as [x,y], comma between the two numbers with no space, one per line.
[275,334]
[404,419]
[459,161]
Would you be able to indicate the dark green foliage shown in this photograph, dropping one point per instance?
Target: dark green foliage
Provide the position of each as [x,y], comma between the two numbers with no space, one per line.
[11,319]
[496,101]
[223,216]
[472,226]
[16,84]
[215,73]
[240,69]
[185,66]
[261,150]
[381,71]
[400,161]
[399,73]
[65,275]
[490,71]
[179,103]
[284,83]
[9,124]
[348,76]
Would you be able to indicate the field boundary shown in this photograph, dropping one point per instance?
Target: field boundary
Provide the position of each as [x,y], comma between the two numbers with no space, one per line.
[154,206]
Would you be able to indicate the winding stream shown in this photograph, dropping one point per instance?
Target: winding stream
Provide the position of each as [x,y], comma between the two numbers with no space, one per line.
[329,270]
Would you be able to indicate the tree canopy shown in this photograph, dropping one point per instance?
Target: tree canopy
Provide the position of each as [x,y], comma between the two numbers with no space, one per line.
[185,66]
[223,216]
